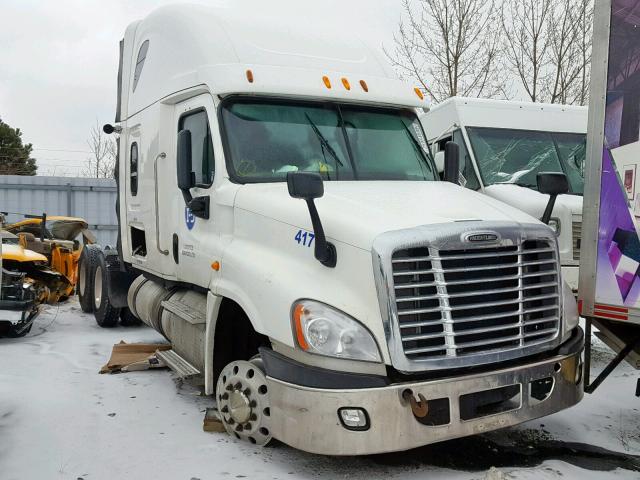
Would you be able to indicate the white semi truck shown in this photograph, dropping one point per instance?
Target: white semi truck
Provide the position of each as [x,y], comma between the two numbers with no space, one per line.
[282,223]
[505,144]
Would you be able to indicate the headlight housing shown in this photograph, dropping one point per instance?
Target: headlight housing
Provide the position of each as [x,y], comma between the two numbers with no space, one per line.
[570,317]
[323,330]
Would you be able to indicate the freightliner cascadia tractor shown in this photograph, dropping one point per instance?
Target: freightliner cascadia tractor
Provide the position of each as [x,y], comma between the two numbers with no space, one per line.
[283,225]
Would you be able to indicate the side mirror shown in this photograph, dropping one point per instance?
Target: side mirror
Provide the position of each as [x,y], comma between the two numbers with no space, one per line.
[305,185]
[185,179]
[438,158]
[309,186]
[552,184]
[452,163]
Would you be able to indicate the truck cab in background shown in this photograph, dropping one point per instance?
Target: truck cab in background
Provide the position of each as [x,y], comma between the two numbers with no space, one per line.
[282,223]
[504,144]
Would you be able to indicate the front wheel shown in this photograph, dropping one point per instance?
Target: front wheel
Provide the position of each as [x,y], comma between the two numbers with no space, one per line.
[243,401]
[86,271]
[106,314]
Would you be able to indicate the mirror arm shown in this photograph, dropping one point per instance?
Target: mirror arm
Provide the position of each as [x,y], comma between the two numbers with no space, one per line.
[546,216]
[325,252]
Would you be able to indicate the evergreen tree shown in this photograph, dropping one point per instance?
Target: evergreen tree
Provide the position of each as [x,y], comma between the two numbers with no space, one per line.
[15,157]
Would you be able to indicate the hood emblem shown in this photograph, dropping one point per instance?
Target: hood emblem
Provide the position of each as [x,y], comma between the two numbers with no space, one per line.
[482,237]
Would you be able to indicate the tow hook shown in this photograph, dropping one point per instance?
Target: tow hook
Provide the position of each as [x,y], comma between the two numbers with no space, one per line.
[420,408]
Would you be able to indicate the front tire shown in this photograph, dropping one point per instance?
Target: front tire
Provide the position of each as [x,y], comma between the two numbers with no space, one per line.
[86,271]
[106,314]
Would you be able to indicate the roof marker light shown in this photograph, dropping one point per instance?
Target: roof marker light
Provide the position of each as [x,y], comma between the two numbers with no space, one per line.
[364,85]
[419,93]
[346,84]
[327,82]
[250,76]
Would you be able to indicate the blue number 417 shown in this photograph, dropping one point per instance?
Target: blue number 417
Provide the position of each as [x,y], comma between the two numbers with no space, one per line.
[304,238]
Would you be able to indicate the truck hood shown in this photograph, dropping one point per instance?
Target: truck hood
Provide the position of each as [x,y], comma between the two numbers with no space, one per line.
[534,202]
[357,212]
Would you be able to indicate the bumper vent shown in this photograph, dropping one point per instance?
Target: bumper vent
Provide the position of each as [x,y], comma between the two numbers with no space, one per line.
[468,302]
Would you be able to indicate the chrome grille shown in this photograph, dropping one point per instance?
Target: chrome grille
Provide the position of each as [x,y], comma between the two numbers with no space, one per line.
[576,232]
[466,302]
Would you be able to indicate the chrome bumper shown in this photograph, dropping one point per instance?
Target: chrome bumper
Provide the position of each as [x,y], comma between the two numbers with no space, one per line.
[307,418]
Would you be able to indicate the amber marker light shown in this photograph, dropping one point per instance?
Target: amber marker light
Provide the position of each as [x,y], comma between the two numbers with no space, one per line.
[346,83]
[419,93]
[327,82]
[215,265]
[364,85]
[297,317]
[250,76]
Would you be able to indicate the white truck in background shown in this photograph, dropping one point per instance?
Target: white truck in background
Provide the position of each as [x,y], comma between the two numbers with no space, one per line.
[282,223]
[505,144]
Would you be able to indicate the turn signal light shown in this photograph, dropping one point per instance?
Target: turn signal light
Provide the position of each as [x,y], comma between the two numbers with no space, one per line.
[297,314]
[327,82]
[419,93]
[250,76]
[215,265]
[346,84]
[364,85]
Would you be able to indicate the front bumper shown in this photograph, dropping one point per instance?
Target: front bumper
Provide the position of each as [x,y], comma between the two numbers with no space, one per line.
[307,418]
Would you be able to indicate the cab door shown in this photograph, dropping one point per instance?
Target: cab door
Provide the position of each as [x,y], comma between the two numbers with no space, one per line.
[194,243]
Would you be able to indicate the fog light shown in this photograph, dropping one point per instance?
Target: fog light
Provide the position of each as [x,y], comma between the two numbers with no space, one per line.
[354,418]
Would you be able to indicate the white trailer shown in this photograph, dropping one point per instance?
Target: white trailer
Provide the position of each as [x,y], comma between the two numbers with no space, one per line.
[283,225]
[609,295]
[505,144]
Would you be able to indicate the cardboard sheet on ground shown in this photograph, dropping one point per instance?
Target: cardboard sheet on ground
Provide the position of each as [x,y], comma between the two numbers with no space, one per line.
[124,356]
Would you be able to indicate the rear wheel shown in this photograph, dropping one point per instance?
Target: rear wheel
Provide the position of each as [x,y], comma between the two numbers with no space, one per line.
[86,271]
[106,314]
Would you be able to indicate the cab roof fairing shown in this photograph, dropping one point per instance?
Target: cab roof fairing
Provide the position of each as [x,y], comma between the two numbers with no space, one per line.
[191,45]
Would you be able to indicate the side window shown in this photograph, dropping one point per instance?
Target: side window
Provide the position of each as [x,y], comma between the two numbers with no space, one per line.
[466,166]
[202,160]
[142,56]
[133,169]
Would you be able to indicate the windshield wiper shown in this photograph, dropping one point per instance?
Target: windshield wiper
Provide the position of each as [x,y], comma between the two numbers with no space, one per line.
[323,141]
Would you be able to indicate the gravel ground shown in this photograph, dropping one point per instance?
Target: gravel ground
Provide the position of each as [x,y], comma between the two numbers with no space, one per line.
[60,419]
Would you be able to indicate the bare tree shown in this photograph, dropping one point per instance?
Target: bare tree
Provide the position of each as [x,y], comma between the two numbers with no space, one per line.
[526,53]
[102,162]
[570,29]
[450,47]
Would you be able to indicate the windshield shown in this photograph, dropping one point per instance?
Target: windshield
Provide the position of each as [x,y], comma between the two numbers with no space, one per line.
[266,140]
[517,156]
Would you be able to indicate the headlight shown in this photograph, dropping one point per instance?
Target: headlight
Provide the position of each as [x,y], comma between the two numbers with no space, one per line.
[554,224]
[320,329]
[570,315]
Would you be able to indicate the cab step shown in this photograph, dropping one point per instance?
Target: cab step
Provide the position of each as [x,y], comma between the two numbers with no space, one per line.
[179,365]
[185,312]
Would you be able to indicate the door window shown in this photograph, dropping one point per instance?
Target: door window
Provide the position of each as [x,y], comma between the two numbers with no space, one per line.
[202,160]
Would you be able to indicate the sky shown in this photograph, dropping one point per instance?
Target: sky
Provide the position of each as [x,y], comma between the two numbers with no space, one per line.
[59,61]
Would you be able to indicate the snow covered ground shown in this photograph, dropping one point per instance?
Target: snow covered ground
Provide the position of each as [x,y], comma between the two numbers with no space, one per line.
[60,419]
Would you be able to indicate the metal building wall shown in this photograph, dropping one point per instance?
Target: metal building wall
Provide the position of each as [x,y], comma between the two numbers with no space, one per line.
[93,199]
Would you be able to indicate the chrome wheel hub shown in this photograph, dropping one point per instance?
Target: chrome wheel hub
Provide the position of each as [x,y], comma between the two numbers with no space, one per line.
[243,401]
